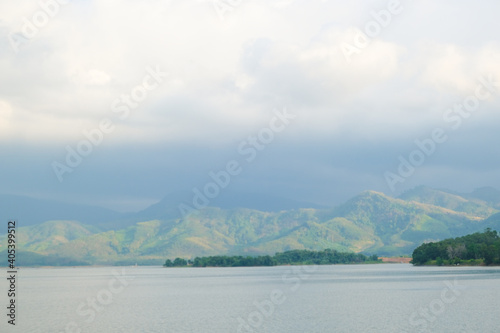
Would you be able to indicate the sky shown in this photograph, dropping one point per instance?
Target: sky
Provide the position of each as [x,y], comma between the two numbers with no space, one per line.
[120,103]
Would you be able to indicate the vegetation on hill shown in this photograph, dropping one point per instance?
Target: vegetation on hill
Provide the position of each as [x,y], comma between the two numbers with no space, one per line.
[472,205]
[474,249]
[31,259]
[400,225]
[370,223]
[293,257]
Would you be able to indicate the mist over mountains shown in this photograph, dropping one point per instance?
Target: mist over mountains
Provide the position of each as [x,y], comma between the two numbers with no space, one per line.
[30,211]
[51,233]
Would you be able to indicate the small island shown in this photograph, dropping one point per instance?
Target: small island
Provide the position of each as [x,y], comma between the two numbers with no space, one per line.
[293,257]
[478,249]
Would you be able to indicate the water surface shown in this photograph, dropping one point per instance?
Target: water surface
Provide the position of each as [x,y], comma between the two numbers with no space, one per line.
[341,298]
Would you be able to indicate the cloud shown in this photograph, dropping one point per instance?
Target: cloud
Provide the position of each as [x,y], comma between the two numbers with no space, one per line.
[225,78]
[92,77]
[234,71]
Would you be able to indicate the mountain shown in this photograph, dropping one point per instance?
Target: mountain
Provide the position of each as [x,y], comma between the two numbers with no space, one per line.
[489,195]
[473,203]
[28,258]
[400,224]
[208,231]
[370,222]
[50,234]
[493,222]
[29,211]
[169,206]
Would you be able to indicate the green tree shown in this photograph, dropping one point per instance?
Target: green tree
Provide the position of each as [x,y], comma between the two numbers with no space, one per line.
[489,255]
[484,245]
[179,262]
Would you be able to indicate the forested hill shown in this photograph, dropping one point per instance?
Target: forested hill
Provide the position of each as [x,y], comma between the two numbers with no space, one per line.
[370,223]
[475,249]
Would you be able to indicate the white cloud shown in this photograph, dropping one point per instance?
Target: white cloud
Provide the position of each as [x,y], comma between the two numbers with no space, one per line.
[226,77]
[5,115]
[229,74]
[91,77]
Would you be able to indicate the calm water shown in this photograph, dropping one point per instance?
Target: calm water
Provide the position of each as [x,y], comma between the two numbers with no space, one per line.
[359,299]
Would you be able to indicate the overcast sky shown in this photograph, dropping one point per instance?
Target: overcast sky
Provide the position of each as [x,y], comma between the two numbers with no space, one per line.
[313,100]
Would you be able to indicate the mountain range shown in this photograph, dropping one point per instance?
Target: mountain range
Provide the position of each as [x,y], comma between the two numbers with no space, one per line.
[52,233]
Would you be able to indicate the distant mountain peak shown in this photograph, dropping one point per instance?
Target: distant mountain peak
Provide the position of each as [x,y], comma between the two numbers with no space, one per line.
[467,203]
[371,195]
[169,205]
[487,193]
[375,193]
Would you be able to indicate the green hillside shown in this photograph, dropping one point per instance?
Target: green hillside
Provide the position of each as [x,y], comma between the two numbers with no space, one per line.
[480,203]
[47,235]
[370,223]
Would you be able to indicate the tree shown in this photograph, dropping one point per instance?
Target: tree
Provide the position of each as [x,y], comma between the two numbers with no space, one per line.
[484,245]
[489,255]
[178,262]
[456,252]
[294,257]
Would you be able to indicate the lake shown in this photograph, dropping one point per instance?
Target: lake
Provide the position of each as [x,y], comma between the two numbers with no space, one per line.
[340,298]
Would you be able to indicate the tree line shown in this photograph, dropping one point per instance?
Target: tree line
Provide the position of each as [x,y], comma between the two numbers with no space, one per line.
[477,248]
[293,257]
